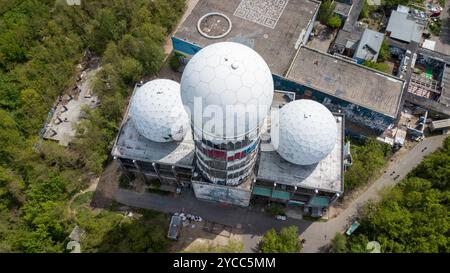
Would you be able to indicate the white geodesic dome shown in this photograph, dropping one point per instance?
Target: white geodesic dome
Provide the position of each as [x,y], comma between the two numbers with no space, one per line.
[305,133]
[227,76]
[157,111]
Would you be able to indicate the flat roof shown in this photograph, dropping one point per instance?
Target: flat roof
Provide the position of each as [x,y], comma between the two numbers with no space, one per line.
[342,8]
[131,145]
[273,28]
[327,175]
[443,123]
[369,45]
[403,28]
[348,81]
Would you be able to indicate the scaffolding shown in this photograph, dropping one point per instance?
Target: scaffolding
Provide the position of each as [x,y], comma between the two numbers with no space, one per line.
[424,87]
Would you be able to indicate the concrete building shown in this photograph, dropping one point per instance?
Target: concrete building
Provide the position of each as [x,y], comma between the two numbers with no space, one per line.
[170,166]
[368,98]
[443,125]
[429,85]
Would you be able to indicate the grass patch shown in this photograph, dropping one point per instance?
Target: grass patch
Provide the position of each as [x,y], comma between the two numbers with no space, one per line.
[233,246]
[383,67]
[82,200]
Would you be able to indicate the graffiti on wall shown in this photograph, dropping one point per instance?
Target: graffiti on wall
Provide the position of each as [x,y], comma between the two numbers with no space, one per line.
[218,193]
[357,114]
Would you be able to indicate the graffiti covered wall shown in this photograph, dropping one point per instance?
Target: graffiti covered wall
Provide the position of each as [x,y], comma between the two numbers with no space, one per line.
[355,113]
[231,195]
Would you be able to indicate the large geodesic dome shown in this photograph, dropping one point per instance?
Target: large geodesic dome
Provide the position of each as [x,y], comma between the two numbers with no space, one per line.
[305,133]
[157,111]
[222,75]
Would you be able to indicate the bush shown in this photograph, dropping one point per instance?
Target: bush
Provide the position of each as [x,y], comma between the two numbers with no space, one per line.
[339,243]
[435,27]
[275,209]
[334,22]
[383,67]
[384,53]
[364,11]
[286,241]
[326,11]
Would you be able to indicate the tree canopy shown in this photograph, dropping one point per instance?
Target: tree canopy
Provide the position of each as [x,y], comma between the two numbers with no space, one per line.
[285,241]
[41,43]
[411,217]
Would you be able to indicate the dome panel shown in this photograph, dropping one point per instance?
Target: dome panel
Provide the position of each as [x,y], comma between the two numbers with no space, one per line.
[306,134]
[237,68]
[157,111]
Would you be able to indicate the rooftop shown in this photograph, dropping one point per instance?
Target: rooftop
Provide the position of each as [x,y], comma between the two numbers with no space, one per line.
[130,144]
[369,45]
[403,28]
[347,39]
[348,81]
[342,8]
[327,175]
[258,24]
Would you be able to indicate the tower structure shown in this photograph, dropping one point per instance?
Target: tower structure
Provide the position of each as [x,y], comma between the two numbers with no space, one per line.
[228,89]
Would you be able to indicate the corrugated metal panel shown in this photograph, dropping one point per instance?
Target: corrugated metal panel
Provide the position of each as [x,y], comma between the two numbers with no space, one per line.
[262,191]
[281,195]
[319,201]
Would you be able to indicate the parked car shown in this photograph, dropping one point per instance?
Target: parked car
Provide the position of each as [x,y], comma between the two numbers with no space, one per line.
[281,217]
[352,228]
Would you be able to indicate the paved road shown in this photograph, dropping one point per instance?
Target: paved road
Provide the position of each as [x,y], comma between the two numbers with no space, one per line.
[254,223]
[251,222]
[443,40]
[319,234]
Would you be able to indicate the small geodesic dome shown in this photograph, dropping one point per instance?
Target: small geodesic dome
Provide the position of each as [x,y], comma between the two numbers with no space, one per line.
[305,133]
[157,111]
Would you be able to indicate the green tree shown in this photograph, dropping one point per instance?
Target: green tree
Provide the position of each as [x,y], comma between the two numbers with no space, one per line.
[384,53]
[286,241]
[326,11]
[364,11]
[339,243]
[334,21]
[412,216]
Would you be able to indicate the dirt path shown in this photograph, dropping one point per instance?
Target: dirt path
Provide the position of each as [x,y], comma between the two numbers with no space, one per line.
[92,187]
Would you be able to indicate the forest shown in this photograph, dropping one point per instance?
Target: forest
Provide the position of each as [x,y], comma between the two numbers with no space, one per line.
[412,217]
[41,43]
